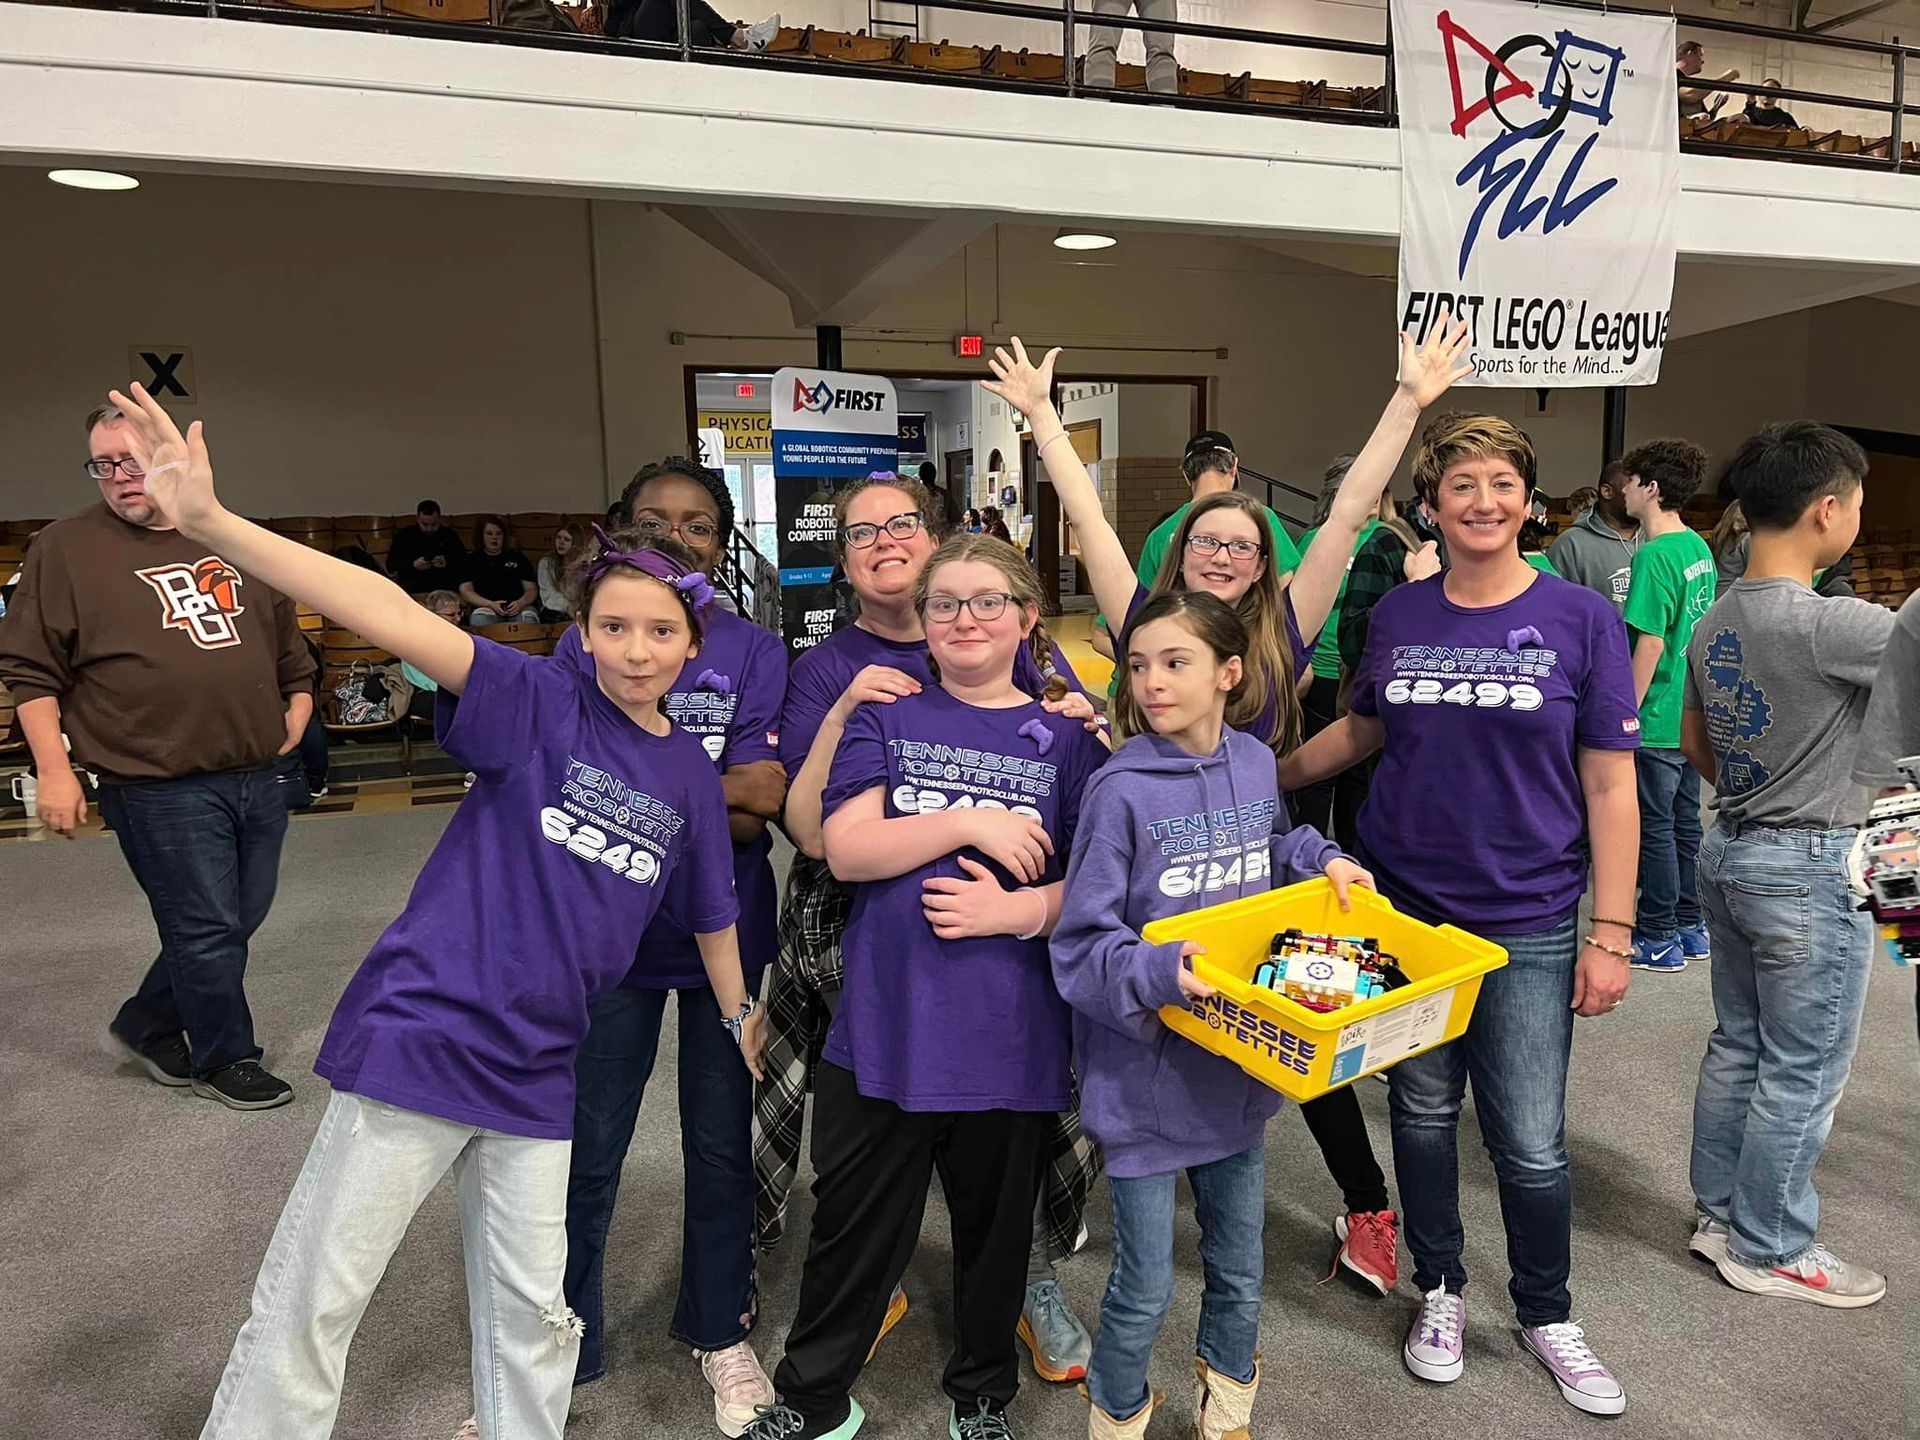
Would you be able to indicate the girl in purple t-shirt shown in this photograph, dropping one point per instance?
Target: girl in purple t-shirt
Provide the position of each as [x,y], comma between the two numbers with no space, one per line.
[452,1048]
[1502,701]
[1186,815]
[950,812]
[1223,548]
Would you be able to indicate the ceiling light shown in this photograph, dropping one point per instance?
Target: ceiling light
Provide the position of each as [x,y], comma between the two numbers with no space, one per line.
[1076,239]
[93,179]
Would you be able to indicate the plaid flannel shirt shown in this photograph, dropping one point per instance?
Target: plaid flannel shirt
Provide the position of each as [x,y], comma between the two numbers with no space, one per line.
[812,918]
[1378,566]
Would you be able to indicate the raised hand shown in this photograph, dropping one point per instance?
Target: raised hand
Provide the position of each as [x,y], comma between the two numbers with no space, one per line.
[1426,371]
[179,472]
[1018,842]
[1022,384]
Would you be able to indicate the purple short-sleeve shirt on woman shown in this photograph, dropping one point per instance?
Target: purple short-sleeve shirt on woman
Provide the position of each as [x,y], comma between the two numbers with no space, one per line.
[579,827]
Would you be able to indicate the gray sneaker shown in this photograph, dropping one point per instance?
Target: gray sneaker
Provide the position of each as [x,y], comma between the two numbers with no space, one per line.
[1054,1335]
[1709,1240]
[1819,1277]
[1436,1337]
[1584,1382]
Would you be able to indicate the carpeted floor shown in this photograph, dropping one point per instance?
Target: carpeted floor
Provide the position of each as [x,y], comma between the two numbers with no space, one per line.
[135,1217]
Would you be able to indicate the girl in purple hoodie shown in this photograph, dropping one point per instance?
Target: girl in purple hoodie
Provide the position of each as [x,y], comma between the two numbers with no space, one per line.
[1186,814]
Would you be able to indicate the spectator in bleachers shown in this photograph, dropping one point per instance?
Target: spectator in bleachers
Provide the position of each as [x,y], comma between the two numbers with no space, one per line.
[1163,71]
[1597,549]
[1778,681]
[552,575]
[1731,544]
[499,581]
[426,555]
[655,20]
[1698,99]
[1767,111]
[446,604]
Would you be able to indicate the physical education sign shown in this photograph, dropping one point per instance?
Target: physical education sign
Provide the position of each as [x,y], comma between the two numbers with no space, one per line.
[828,428]
[1539,178]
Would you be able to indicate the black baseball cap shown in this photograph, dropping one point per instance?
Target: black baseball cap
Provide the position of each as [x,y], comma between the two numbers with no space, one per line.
[1206,442]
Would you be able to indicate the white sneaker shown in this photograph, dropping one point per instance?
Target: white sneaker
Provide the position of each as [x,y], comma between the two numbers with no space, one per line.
[740,1386]
[1819,1276]
[760,36]
[1709,1240]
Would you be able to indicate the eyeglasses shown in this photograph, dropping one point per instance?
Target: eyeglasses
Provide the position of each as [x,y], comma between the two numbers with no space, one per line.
[903,526]
[1207,546]
[698,531]
[103,469]
[987,605]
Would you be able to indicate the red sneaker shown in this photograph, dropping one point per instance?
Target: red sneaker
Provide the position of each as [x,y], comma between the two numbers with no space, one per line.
[1369,1247]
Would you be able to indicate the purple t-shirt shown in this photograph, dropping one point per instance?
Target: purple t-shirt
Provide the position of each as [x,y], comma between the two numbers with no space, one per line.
[1263,725]
[728,698]
[973,1024]
[1476,816]
[821,676]
[579,827]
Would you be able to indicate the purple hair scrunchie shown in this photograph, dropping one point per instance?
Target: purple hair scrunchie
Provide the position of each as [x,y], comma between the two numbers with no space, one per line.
[692,586]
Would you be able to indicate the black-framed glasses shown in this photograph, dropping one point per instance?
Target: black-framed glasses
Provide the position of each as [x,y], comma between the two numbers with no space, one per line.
[987,605]
[1207,546]
[104,469]
[697,530]
[903,526]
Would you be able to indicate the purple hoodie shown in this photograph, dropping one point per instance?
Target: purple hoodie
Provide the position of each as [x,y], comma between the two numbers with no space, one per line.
[1163,832]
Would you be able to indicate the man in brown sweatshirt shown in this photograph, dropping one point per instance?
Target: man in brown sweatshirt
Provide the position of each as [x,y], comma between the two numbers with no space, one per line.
[179,681]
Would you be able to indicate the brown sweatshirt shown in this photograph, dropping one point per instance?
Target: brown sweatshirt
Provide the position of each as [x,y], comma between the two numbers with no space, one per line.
[166,660]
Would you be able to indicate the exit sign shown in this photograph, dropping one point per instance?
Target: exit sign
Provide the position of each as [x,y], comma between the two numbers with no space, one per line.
[744,390]
[969,347]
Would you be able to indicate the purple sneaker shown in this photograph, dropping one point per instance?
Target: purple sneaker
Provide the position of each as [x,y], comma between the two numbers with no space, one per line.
[1584,1382]
[1434,1341]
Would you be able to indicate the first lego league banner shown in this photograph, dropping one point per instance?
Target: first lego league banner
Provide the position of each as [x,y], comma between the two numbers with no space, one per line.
[1539,178]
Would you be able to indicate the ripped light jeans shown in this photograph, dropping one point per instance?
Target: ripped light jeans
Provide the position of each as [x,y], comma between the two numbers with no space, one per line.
[370,1167]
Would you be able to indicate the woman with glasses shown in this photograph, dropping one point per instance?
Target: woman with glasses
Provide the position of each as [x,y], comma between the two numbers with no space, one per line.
[1222,547]
[884,544]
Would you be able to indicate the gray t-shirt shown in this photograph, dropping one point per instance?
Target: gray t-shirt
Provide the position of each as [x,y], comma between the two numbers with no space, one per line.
[1892,730]
[1783,675]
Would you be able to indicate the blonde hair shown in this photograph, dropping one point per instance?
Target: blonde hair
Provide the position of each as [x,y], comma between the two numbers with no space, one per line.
[1270,677]
[1726,534]
[1456,436]
[1022,584]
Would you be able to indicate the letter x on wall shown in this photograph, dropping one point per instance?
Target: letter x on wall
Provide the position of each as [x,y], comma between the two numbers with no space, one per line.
[166,371]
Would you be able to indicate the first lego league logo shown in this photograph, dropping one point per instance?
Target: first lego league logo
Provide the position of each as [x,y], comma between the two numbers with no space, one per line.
[1539,177]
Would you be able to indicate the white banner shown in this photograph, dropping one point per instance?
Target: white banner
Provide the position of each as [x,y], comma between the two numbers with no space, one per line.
[1539,178]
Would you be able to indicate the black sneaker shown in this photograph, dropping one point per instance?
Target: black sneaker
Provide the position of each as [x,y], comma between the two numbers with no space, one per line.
[244,1085]
[166,1060]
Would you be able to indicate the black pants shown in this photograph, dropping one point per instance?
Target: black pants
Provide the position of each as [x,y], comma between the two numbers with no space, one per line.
[872,1164]
[1333,805]
[1339,1128]
[656,20]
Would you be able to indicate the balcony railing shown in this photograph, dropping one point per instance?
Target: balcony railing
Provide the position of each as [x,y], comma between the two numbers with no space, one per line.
[1880,141]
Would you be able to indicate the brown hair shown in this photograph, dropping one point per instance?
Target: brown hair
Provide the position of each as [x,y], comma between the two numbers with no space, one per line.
[1726,534]
[572,529]
[1456,436]
[480,531]
[1212,621]
[100,415]
[1022,584]
[1269,655]
[932,515]
[580,589]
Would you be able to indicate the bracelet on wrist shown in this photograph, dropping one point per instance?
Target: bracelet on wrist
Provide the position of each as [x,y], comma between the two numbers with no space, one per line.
[737,1022]
[1059,435]
[1041,923]
[1613,950]
[1622,924]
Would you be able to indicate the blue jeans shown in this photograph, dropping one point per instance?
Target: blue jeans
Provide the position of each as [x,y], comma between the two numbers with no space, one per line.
[1230,1202]
[1669,844]
[718,1296]
[1515,1052]
[206,849]
[1790,963]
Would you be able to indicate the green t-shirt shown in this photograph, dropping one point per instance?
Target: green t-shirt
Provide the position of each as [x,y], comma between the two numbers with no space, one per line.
[1326,654]
[1671,588]
[1542,564]
[1154,553]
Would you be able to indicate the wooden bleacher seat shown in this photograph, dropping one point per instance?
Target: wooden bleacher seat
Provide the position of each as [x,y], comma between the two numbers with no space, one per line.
[328,4]
[343,648]
[942,57]
[534,638]
[450,12]
[13,746]
[313,531]
[1025,65]
[858,48]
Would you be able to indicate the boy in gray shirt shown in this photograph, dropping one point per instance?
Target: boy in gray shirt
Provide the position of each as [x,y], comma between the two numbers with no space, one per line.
[1778,680]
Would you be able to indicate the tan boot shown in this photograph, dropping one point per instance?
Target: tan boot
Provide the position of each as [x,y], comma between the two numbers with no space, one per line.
[1223,1408]
[1102,1426]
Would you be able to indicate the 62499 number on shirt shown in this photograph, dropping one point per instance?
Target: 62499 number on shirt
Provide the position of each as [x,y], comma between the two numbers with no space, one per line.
[1486,694]
[589,842]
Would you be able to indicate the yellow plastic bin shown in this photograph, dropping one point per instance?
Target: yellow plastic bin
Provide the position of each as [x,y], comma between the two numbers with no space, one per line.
[1300,1052]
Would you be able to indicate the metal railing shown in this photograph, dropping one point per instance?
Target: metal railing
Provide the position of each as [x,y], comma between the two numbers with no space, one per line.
[1062,73]
[751,580]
